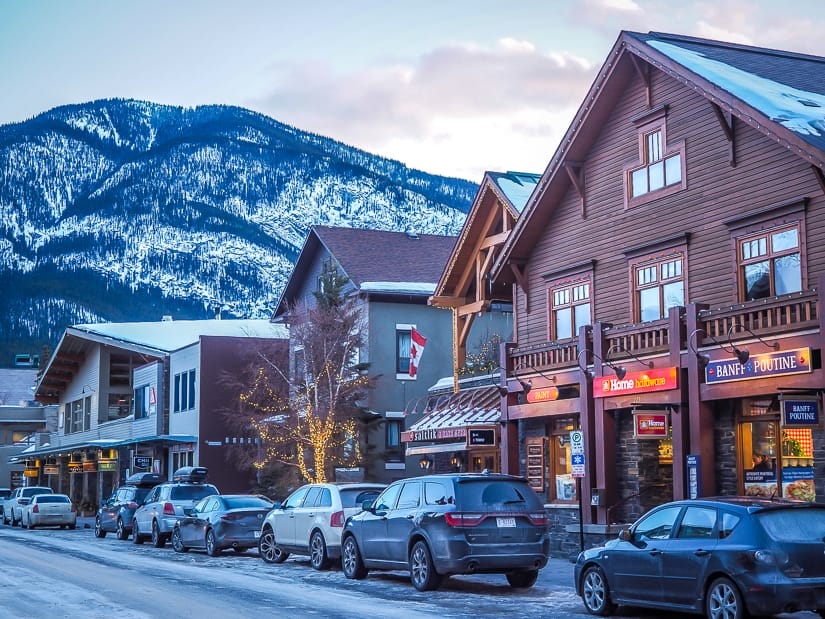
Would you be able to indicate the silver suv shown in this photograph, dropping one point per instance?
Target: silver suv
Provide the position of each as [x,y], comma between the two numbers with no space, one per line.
[13,507]
[169,502]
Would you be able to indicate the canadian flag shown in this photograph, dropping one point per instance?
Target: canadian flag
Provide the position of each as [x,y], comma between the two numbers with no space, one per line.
[417,343]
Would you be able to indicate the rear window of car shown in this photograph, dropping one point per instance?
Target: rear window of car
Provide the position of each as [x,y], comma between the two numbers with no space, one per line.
[191,493]
[355,497]
[496,495]
[794,525]
[35,491]
[249,501]
[52,498]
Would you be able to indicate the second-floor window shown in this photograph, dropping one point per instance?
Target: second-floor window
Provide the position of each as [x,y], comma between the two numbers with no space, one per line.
[770,263]
[141,400]
[660,169]
[570,309]
[403,341]
[184,392]
[659,285]
[78,416]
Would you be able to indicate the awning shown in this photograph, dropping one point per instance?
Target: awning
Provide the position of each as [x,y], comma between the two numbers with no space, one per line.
[437,448]
[449,415]
[49,449]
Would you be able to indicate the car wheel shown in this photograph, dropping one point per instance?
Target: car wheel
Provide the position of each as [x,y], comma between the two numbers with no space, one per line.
[14,521]
[351,561]
[121,533]
[177,541]
[523,579]
[422,571]
[212,548]
[318,551]
[99,532]
[23,525]
[269,549]
[136,538]
[724,601]
[596,593]
[158,541]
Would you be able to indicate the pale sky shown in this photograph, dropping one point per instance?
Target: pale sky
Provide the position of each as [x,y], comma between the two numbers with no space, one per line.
[451,87]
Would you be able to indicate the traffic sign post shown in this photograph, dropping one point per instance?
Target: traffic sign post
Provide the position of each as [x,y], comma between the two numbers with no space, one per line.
[577,467]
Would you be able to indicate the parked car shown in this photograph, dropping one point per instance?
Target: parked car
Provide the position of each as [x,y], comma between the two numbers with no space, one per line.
[118,511]
[311,520]
[13,507]
[5,493]
[440,525]
[49,510]
[168,502]
[723,557]
[222,521]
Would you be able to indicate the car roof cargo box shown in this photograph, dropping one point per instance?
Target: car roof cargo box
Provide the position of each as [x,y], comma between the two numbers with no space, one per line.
[144,479]
[191,474]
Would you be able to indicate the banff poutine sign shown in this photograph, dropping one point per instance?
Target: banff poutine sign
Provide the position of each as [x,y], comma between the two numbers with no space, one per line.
[778,363]
[660,379]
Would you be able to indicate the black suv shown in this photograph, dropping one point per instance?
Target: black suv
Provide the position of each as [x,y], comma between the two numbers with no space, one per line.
[439,525]
[115,515]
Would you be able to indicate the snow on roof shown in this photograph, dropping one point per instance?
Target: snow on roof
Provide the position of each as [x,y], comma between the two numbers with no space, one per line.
[171,335]
[399,287]
[800,111]
[517,187]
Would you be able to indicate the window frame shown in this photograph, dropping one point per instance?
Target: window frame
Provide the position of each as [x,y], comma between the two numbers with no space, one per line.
[770,257]
[649,123]
[185,389]
[568,284]
[656,254]
[401,328]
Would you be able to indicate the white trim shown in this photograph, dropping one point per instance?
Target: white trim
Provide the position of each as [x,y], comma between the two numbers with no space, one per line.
[437,448]
[394,466]
[394,414]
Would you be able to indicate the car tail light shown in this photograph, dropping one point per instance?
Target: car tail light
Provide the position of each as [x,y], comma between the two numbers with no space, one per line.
[131,505]
[72,508]
[36,509]
[230,517]
[463,519]
[337,519]
[538,519]
[168,509]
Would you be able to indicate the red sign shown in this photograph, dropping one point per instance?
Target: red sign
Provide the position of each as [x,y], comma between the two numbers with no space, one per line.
[433,434]
[546,394]
[662,379]
[650,425]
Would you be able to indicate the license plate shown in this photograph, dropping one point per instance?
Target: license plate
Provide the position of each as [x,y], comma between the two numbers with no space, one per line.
[256,533]
[505,522]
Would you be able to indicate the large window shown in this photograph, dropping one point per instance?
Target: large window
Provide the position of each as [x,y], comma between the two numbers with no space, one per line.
[570,308]
[660,168]
[659,285]
[78,415]
[403,341]
[770,263]
[184,393]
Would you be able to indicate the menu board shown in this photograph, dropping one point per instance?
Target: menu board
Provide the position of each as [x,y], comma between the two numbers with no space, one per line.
[535,463]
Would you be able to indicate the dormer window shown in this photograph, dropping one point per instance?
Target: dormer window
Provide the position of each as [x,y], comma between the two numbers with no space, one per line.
[660,168]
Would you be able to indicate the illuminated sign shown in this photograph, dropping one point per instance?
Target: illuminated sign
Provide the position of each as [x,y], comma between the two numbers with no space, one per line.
[107,465]
[433,434]
[650,425]
[800,412]
[51,469]
[481,436]
[662,379]
[545,394]
[75,467]
[778,363]
[31,473]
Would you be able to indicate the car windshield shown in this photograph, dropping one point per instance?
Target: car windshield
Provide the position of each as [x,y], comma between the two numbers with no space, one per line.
[355,497]
[794,525]
[496,495]
[191,493]
[52,498]
[247,501]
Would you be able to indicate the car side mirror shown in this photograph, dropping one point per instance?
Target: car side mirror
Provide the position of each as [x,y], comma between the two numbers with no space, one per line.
[626,535]
[367,506]
[276,505]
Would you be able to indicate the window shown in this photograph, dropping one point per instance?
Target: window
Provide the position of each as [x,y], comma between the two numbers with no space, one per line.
[410,496]
[570,309]
[659,285]
[184,396]
[78,415]
[393,433]
[660,168]
[387,498]
[770,263]
[140,399]
[698,522]
[403,342]
[657,525]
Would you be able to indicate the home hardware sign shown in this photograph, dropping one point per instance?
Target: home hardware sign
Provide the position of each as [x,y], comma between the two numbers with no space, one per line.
[659,379]
[778,363]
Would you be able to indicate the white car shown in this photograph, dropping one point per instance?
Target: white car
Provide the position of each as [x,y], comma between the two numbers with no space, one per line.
[311,520]
[13,507]
[49,510]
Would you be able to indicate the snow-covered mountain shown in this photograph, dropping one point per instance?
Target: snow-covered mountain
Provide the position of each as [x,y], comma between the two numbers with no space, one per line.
[123,210]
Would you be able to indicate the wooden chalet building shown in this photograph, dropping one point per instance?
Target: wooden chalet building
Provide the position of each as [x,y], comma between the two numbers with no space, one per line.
[668,278]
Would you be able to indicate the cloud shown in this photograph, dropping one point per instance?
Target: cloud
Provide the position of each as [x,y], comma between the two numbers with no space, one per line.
[449,111]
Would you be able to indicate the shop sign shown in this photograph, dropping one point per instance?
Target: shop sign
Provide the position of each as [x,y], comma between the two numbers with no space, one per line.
[51,469]
[141,463]
[650,425]
[780,363]
[31,472]
[75,467]
[90,467]
[660,379]
[433,434]
[481,436]
[544,394]
[800,412]
[107,465]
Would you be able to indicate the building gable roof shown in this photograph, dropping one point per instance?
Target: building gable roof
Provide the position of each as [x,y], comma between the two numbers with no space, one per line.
[781,94]
[373,260]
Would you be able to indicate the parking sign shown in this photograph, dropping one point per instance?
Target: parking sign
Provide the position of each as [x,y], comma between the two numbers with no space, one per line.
[577,453]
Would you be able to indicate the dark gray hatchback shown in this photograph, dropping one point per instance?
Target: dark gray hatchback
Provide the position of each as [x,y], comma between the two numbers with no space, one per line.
[724,557]
[440,525]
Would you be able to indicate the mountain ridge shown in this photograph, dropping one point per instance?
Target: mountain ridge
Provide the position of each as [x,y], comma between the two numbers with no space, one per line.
[131,210]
